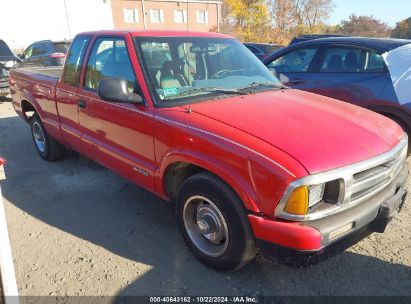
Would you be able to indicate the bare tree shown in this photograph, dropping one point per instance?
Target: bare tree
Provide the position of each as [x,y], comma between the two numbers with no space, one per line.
[312,12]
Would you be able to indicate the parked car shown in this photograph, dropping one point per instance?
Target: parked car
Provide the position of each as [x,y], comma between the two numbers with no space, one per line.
[302,38]
[249,164]
[7,61]
[45,53]
[262,50]
[351,69]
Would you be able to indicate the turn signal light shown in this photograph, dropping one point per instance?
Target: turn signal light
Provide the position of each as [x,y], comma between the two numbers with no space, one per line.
[298,202]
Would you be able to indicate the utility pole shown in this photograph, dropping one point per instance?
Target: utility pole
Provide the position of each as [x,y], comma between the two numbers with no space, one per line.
[144,14]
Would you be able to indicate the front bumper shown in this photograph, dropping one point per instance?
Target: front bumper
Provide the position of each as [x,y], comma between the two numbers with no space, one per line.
[310,242]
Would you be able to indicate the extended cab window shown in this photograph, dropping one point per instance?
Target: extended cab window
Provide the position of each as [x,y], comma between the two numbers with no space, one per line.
[295,61]
[352,60]
[109,58]
[71,74]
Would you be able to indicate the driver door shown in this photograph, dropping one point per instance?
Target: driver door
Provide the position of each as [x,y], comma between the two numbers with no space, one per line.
[294,68]
[117,135]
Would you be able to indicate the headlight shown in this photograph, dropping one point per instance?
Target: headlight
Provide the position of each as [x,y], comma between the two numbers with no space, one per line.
[315,194]
[309,199]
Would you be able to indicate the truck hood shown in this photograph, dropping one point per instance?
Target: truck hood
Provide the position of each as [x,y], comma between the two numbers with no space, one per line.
[319,132]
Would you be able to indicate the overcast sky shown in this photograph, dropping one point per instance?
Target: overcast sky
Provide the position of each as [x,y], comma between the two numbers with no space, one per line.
[25,21]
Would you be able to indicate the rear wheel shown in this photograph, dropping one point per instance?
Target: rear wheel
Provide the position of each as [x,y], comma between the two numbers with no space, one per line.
[47,147]
[214,223]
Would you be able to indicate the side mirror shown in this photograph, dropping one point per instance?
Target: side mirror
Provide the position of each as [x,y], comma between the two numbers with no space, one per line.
[115,90]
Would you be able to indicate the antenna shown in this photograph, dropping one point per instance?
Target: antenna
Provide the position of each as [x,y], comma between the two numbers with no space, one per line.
[67,19]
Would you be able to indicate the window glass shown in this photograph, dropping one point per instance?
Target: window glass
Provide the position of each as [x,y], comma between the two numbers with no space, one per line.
[268,49]
[253,49]
[74,59]
[109,58]
[295,61]
[374,62]
[130,15]
[352,60]
[202,16]
[156,16]
[193,68]
[38,49]
[179,16]
[28,52]
[61,47]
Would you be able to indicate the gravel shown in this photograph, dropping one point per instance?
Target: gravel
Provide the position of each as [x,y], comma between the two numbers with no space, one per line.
[78,229]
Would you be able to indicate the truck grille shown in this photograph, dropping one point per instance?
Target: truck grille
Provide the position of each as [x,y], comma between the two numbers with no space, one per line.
[375,179]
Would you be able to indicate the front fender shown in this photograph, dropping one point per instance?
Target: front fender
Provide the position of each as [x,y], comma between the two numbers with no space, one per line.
[238,181]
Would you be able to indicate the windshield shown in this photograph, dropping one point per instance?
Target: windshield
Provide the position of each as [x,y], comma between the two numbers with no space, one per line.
[191,69]
[4,49]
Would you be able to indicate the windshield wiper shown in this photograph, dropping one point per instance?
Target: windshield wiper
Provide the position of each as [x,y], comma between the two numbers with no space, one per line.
[219,90]
[255,85]
[209,89]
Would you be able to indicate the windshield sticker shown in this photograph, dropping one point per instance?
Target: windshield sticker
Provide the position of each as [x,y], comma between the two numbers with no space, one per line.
[170,92]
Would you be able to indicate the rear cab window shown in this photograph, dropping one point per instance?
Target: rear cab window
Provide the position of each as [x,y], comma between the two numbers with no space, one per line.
[344,59]
[74,60]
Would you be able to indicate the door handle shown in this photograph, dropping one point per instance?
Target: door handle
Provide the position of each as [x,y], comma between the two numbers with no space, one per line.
[81,103]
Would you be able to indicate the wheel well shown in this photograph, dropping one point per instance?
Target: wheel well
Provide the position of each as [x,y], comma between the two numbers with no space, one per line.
[27,109]
[176,174]
[398,119]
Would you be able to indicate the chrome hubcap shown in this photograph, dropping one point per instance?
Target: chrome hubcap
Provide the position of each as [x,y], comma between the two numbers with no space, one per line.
[39,138]
[206,226]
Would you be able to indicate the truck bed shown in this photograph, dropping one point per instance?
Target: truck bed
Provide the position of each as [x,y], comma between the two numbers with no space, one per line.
[52,72]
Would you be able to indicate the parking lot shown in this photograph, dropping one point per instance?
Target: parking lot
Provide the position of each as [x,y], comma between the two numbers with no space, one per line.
[79,229]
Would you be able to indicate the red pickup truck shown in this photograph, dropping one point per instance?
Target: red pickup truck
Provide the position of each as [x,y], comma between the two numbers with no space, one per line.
[198,120]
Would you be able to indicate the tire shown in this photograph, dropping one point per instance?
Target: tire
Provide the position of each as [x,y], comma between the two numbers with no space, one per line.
[48,148]
[202,199]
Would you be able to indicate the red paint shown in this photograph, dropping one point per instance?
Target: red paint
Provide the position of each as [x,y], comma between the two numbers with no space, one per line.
[257,143]
[287,234]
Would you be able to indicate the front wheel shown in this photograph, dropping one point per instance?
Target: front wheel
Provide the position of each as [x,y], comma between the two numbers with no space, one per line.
[214,223]
[47,147]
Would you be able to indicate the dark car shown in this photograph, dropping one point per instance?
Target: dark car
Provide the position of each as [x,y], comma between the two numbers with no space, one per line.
[45,53]
[302,38]
[262,50]
[7,61]
[351,69]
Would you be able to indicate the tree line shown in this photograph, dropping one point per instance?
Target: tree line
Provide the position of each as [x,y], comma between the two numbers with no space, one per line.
[278,21]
